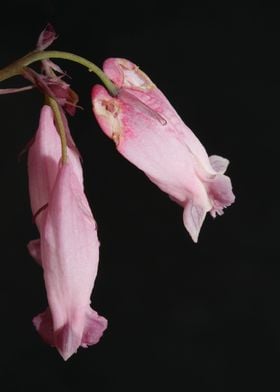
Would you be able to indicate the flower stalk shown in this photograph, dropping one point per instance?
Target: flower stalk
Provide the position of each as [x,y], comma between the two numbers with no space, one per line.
[17,67]
[59,126]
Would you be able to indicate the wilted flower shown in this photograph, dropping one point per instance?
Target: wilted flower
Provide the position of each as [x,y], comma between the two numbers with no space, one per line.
[150,134]
[68,249]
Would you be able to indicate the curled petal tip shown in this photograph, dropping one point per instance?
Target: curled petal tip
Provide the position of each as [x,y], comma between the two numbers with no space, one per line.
[46,38]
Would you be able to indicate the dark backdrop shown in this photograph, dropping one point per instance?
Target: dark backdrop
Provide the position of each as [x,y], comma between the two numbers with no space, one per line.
[182,316]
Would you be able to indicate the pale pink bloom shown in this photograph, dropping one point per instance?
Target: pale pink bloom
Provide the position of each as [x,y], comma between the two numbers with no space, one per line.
[149,133]
[68,249]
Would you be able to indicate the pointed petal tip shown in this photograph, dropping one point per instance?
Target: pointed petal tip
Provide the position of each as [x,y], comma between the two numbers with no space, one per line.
[65,355]
[193,217]
[67,341]
[194,237]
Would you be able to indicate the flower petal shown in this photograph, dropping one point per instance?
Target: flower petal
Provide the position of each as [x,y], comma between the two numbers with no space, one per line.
[95,325]
[43,161]
[220,193]
[44,326]
[70,252]
[167,151]
[46,38]
[34,248]
[218,163]
[193,217]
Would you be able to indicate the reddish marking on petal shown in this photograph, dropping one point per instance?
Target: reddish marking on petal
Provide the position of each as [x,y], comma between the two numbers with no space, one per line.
[26,148]
[39,211]
[116,138]
[111,107]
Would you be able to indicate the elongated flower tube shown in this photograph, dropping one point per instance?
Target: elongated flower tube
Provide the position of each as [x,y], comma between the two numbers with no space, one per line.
[68,249]
[149,133]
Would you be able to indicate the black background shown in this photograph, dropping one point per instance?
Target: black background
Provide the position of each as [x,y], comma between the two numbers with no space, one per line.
[181,316]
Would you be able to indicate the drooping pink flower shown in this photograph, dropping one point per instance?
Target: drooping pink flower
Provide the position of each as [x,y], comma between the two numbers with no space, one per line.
[149,133]
[68,249]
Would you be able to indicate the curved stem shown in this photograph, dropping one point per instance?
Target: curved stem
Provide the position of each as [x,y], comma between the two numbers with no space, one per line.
[16,67]
[60,127]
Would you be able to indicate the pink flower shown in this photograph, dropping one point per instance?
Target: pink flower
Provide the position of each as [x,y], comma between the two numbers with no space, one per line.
[150,134]
[68,249]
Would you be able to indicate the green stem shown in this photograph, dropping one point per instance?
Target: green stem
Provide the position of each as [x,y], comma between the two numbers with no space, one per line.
[16,67]
[59,126]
